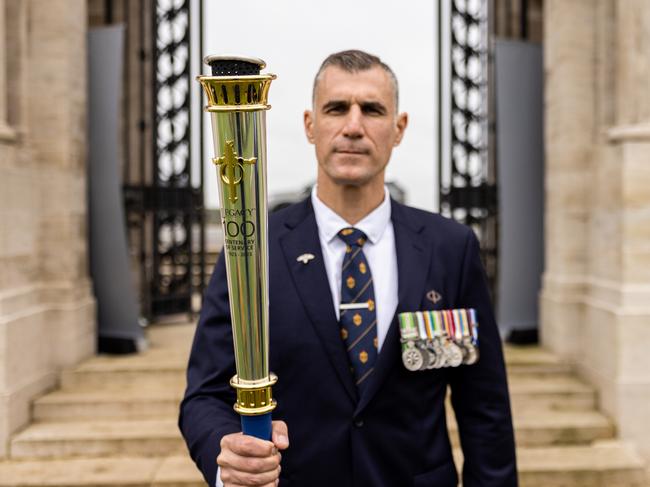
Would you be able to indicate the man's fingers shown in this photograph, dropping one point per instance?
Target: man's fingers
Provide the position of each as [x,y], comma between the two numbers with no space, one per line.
[247,446]
[233,477]
[272,484]
[247,461]
[280,435]
[229,459]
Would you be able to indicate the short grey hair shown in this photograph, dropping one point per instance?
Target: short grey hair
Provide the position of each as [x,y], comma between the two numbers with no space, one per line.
[353,61]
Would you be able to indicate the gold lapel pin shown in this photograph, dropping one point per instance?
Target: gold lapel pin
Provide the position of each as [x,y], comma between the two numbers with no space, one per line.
[305,258]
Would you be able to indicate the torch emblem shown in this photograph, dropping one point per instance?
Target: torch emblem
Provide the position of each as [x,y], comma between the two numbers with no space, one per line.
[232,168]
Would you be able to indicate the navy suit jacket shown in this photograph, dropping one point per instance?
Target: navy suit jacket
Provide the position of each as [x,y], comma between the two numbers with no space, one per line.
[393,435]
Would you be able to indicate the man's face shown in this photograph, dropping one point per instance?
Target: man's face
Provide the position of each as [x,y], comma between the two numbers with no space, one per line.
[354,125]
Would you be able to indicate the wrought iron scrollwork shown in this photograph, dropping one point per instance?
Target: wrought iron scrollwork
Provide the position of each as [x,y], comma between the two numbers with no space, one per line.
[467,187]
[177,205]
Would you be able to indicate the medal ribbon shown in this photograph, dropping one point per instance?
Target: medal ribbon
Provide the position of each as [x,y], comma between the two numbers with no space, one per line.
[446,315]
[458,324]
[437,323]
[474,324]
[464,323]
[421,325]
[407,327]
[427,324]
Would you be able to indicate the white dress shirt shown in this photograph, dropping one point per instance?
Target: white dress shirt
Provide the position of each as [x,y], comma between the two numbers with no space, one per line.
[379,251]
[380,254]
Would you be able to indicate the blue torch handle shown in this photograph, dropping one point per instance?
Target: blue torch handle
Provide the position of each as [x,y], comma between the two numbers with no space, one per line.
[258,426]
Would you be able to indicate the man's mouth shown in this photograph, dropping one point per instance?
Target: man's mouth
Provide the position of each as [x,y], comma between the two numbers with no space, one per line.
[353,151]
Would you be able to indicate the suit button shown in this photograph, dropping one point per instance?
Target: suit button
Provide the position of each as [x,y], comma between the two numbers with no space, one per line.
[358,423]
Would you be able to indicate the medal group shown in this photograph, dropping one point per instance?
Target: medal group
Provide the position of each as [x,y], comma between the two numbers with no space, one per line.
[436,339]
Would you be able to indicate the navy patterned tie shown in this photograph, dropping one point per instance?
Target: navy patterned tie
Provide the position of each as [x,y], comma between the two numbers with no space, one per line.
[358,315]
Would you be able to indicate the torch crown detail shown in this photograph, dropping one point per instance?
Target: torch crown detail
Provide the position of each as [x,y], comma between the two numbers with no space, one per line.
[236,84]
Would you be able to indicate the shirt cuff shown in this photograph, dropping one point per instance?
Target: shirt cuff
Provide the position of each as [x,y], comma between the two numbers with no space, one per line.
[218,483]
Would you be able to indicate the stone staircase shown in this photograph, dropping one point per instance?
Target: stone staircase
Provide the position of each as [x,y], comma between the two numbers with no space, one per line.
[113,423]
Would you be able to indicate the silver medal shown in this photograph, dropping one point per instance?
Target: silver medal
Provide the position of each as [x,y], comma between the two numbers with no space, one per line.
[412,357]
[440,353]
[454,354]
[472,352]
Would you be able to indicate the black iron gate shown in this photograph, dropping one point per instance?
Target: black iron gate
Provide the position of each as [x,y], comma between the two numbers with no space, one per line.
[163,188]
[468,191]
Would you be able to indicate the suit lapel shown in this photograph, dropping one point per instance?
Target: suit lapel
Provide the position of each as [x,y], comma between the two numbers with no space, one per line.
[314,291]
[413,258]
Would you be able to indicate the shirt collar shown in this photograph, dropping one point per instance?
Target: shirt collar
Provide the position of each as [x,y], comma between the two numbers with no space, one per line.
[330,223]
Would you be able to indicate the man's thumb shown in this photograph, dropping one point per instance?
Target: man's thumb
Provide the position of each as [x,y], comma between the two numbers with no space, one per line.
[280,435]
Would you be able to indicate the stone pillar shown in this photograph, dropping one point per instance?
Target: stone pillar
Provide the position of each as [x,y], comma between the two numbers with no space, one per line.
[569,53]
[623,303]
[596,296]
[47,314]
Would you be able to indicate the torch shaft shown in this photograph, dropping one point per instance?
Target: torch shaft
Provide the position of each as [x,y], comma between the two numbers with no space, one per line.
[241,172]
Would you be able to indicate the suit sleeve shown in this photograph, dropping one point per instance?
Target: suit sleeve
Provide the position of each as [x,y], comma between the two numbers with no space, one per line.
[480,391]
[206,412]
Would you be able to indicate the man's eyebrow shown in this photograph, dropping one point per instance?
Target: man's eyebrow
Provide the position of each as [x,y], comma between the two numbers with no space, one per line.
[366,106]
[374,106]
[336,104]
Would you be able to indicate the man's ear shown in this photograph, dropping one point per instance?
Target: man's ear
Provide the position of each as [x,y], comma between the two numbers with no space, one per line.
[308,119]
[401,123]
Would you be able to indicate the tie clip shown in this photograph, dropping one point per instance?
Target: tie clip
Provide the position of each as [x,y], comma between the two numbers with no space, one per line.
[354,306]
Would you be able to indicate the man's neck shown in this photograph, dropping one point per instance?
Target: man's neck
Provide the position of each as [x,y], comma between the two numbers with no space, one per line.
[352,203]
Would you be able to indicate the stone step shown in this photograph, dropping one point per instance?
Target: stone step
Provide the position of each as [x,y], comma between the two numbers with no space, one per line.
[173,333]
[91,405]
[555,392]
[149,370]
[172,471]
[167,366]
[136,401]
[533,361]
[97,380]
[548,428]
[603,464]
[155,437]
[160,436]
[538,370]
[165,363]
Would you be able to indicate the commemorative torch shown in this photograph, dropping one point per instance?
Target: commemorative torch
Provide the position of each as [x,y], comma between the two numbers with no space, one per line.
[237,102]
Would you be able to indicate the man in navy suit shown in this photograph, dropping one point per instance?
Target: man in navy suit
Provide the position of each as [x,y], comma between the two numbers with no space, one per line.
[354,416]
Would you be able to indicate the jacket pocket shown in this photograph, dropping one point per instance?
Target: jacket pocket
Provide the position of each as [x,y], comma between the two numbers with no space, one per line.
[442,476]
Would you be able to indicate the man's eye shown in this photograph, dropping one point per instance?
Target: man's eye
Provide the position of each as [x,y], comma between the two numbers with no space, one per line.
[373,110]
[335,110]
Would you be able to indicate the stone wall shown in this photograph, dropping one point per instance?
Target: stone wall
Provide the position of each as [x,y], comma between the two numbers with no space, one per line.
[596,288]
[47,311]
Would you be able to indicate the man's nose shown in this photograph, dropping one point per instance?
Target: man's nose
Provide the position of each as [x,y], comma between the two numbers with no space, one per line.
[353,127]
